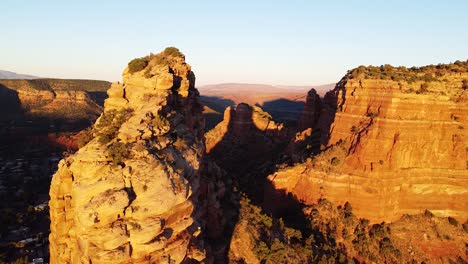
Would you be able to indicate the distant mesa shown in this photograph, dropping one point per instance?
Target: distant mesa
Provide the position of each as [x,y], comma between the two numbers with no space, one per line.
[258,94]
[14,75]
[52,102]
[284,102]
[261,88]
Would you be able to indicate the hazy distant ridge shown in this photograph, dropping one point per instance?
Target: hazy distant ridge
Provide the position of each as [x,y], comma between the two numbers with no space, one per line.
[223,88]
[14,75]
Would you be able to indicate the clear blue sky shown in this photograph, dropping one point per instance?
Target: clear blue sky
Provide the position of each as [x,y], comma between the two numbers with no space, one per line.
[275,42]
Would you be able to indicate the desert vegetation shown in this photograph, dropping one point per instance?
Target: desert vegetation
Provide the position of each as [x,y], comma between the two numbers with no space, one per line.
[273,242]
[109,124]
[84,137]
[173,52]
[329,159]
[118,151]
[410,75]
[164,58]
[335,235]
[465,84]
[137,64]
[58,85]
[105,131]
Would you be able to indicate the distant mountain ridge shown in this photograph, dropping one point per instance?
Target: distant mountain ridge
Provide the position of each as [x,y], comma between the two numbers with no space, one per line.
[261,88]
[63,103]
[283,102]
[14,75]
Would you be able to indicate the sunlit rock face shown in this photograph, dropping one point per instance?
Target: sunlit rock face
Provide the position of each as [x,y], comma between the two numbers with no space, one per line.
[53,100]
[131,194]
[390,148]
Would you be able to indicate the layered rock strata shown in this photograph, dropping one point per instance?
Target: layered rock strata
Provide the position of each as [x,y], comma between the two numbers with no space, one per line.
[130,195]
[67,100]
[392,148]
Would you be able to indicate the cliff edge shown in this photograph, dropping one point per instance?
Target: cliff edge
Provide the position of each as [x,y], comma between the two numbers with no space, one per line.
[394,142]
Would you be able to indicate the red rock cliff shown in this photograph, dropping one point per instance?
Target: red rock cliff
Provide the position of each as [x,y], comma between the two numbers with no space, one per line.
[393,146]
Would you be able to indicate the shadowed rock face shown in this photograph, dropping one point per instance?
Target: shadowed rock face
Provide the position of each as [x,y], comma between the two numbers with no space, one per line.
[390,150]
[65,104]
[130,195]
[242,119]
[244,125]
[311,112]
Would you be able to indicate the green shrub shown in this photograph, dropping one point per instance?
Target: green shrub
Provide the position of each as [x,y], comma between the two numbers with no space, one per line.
[161,59]
[148,73]
[428,77]
[465,227]
[428,214]
[106,136]
[423,89]
[106,119]
[348,210]
[335,161]
[261,250]
[85,137]
[452,221]
[137,64]
[110,123]
[160,121]
[278,251]
[426,73]
[387,249]
[118,152]
[377,231]
[173,51]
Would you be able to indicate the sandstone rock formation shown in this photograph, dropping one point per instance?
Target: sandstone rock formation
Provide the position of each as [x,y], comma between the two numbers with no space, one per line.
[307,138]
[53,99]
[393,145]
[242,121]
[50,111]
[311,112]
[131,194]
[246,137]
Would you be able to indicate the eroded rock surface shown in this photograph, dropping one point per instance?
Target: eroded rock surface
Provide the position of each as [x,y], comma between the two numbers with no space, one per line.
[130,195]
[246,137]
[311,113]
[390,147]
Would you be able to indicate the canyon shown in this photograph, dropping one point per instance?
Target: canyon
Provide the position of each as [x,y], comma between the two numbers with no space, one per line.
[283,102]
[38,126]
[61,104]
[374,170]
